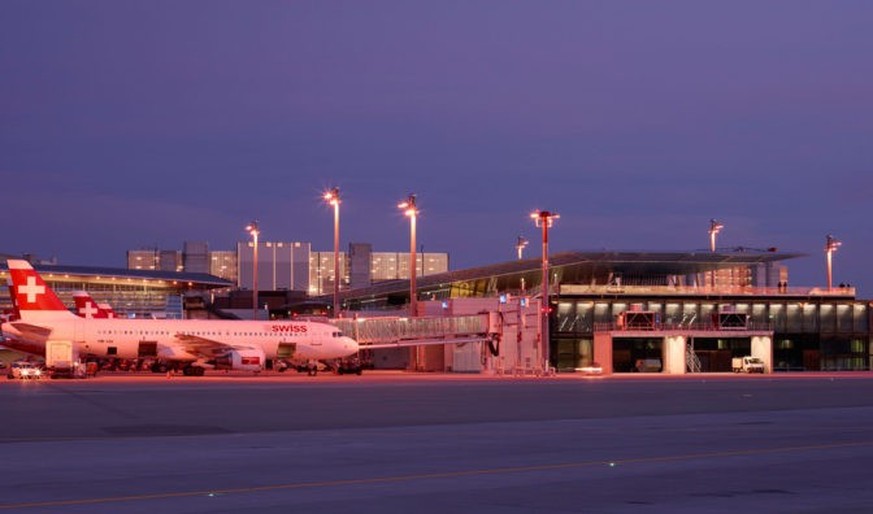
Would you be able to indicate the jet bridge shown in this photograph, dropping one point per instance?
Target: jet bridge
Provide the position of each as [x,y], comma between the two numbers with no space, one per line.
[447,336]
[395,332]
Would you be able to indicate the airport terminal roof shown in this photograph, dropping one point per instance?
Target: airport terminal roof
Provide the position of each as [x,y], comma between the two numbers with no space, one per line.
[576,264]
[200,280]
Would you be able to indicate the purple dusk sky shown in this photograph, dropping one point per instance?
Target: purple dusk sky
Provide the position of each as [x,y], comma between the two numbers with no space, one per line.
[134,124]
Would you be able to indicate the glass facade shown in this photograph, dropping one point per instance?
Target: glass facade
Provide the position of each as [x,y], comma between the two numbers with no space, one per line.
[813,333]
[223,263]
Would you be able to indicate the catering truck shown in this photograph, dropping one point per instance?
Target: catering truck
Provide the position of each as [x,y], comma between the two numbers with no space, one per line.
[62,360]
[747,364]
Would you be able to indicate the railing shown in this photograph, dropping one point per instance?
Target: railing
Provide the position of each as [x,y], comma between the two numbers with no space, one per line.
[575,289]
[696,326]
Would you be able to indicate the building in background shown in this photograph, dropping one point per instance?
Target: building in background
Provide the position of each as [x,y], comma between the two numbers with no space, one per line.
[224,264]
[143,259]
[360,255]
[289,265]
[155,259]
[282,266]
[362,267]
[195,257]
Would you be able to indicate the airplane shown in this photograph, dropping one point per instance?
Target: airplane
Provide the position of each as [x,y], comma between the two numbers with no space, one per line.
[86,307]
[193,345]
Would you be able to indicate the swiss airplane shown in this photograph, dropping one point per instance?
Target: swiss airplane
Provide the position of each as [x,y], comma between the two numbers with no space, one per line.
[86,307]
[194,344]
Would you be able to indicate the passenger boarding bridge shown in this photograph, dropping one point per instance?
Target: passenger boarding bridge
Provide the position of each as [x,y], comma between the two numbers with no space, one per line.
[394,332]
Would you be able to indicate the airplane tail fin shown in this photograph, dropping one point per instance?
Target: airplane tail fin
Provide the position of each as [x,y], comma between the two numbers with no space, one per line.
[86,307]
[31,295]
[13,313]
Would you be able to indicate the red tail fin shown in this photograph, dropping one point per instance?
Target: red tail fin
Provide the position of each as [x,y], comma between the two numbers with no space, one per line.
[86,307]
[29,291]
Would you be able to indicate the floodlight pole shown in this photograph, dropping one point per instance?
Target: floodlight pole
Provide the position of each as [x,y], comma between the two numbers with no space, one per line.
[332,197]
[252,229]
[831,245]
[410,209]
[714,228]
[544,220]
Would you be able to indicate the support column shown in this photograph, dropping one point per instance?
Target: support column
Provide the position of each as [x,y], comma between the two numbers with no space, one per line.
[762,348]
[674,355]
[603,351]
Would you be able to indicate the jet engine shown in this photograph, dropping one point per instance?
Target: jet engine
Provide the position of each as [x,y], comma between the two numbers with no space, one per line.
[249,360]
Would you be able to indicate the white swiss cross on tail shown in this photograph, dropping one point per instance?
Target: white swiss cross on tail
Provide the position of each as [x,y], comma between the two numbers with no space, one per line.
[31,293]
[31,290]
[86,307]
[88,310]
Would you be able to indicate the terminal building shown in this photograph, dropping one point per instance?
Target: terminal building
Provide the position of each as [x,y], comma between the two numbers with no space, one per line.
[621,312]
[664,312]
[131,293]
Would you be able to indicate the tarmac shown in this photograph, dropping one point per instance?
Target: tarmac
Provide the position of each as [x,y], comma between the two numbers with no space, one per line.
[426,442]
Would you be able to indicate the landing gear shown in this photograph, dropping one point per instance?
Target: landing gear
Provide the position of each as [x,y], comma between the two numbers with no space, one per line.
[160,367]
[193,371]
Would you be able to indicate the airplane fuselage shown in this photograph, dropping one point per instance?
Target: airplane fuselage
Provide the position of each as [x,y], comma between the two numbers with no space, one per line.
[169,339]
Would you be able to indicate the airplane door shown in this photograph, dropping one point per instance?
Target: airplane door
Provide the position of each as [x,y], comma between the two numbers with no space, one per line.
[147,349]
[286,350]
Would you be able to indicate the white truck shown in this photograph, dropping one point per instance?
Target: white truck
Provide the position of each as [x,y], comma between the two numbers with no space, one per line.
[747,364]
[62,360]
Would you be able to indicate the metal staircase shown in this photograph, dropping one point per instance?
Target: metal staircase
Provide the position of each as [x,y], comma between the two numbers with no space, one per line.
[692,362]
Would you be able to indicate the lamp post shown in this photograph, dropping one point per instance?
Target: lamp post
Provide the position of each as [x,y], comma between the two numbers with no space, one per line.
[520,245]
[332,197]
[831,245]
[544,220]
[714,228]
[410,209]
[252,229]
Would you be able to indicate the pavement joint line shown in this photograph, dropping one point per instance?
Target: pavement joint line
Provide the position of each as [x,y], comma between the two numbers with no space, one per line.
[428,476]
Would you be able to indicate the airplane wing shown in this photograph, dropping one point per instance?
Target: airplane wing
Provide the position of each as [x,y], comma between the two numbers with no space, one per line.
[208,348]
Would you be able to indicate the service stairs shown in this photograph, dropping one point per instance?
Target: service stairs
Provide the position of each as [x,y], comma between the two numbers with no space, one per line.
[692,362]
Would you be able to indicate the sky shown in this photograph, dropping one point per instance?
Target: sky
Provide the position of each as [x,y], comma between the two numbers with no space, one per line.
[142,124]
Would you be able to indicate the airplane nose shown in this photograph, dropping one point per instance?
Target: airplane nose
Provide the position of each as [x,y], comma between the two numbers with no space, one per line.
[351,345]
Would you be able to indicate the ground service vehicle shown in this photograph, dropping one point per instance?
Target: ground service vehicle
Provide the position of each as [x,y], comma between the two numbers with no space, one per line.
[24,371]
[747,364]
[62,360]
